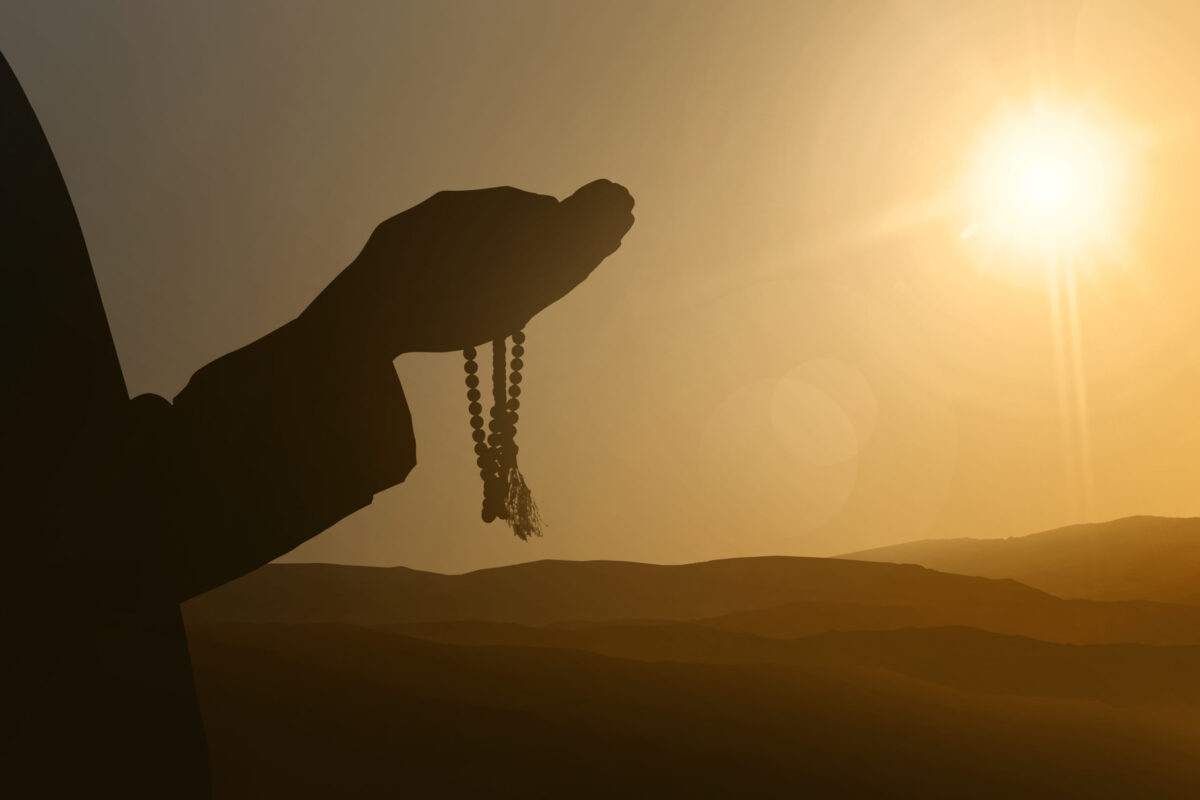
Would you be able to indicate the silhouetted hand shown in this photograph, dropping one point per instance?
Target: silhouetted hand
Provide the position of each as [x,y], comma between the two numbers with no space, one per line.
[463,268]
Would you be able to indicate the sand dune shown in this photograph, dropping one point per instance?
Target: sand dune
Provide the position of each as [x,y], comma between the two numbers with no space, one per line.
[1137,558]
[336,710]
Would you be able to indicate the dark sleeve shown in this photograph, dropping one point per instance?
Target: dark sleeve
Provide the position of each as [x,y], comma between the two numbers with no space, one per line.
[267,447]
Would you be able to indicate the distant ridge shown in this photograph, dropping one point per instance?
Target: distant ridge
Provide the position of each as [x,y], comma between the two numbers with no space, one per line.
[1135,558]
[779,597]
[542,592]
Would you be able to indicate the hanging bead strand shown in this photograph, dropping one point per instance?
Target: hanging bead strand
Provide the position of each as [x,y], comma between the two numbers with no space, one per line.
[498,438]
[514,393]
[506,496]
[485,458]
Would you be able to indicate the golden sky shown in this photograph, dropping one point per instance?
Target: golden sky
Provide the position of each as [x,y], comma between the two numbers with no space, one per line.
[794,351]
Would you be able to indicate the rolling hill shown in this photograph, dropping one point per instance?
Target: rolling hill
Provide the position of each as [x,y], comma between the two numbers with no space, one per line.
[1136,558]
[781,597]
[329,710]
[1051,619]
[962,658]
[760,677]
[541,592]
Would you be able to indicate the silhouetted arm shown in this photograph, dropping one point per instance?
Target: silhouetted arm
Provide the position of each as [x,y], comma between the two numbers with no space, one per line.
[269,446]
[272,444]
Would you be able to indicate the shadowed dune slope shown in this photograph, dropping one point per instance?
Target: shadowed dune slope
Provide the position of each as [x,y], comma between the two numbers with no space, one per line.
[964,658]
[334,710]
[1136,558]
[1049,618]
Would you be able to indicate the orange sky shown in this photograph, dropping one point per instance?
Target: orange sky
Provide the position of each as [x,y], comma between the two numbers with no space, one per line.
[793,352]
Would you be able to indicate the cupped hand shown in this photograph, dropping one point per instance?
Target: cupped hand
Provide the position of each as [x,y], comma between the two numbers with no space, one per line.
[463,268]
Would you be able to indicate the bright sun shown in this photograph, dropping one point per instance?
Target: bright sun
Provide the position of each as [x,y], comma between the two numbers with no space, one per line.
[1050,185]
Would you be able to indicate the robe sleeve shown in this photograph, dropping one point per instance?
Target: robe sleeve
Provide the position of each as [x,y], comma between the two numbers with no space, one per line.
[267,447]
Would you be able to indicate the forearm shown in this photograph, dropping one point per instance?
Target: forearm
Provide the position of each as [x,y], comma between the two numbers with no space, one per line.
[275,443]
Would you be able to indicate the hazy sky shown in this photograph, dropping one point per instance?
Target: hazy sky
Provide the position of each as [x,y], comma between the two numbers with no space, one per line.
[793,352]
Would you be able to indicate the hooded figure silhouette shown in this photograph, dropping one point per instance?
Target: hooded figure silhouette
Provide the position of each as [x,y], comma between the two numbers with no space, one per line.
[118,509]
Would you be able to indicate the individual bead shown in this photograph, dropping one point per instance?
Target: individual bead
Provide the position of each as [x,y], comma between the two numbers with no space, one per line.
[487,515]
[494,426]
[471,367]
[518,351]
[518,337]
[514,391]
[513,404]
[475,409]
[472,381]
[481,449]
[469,353]
[478,435]
[473,395]
[515,378]
[516,364]
[476,422]
[482,462]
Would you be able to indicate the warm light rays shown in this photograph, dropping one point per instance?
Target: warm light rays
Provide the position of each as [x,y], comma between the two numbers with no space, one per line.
[1071,388]
[1082,418]
[1050,191]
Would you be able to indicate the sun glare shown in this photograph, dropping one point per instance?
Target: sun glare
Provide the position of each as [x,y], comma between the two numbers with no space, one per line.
[1050,185]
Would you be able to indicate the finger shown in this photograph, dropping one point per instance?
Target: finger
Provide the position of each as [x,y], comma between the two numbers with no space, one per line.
[603,206]
[596,218]
[540,248]
[568,245]
[590,227]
